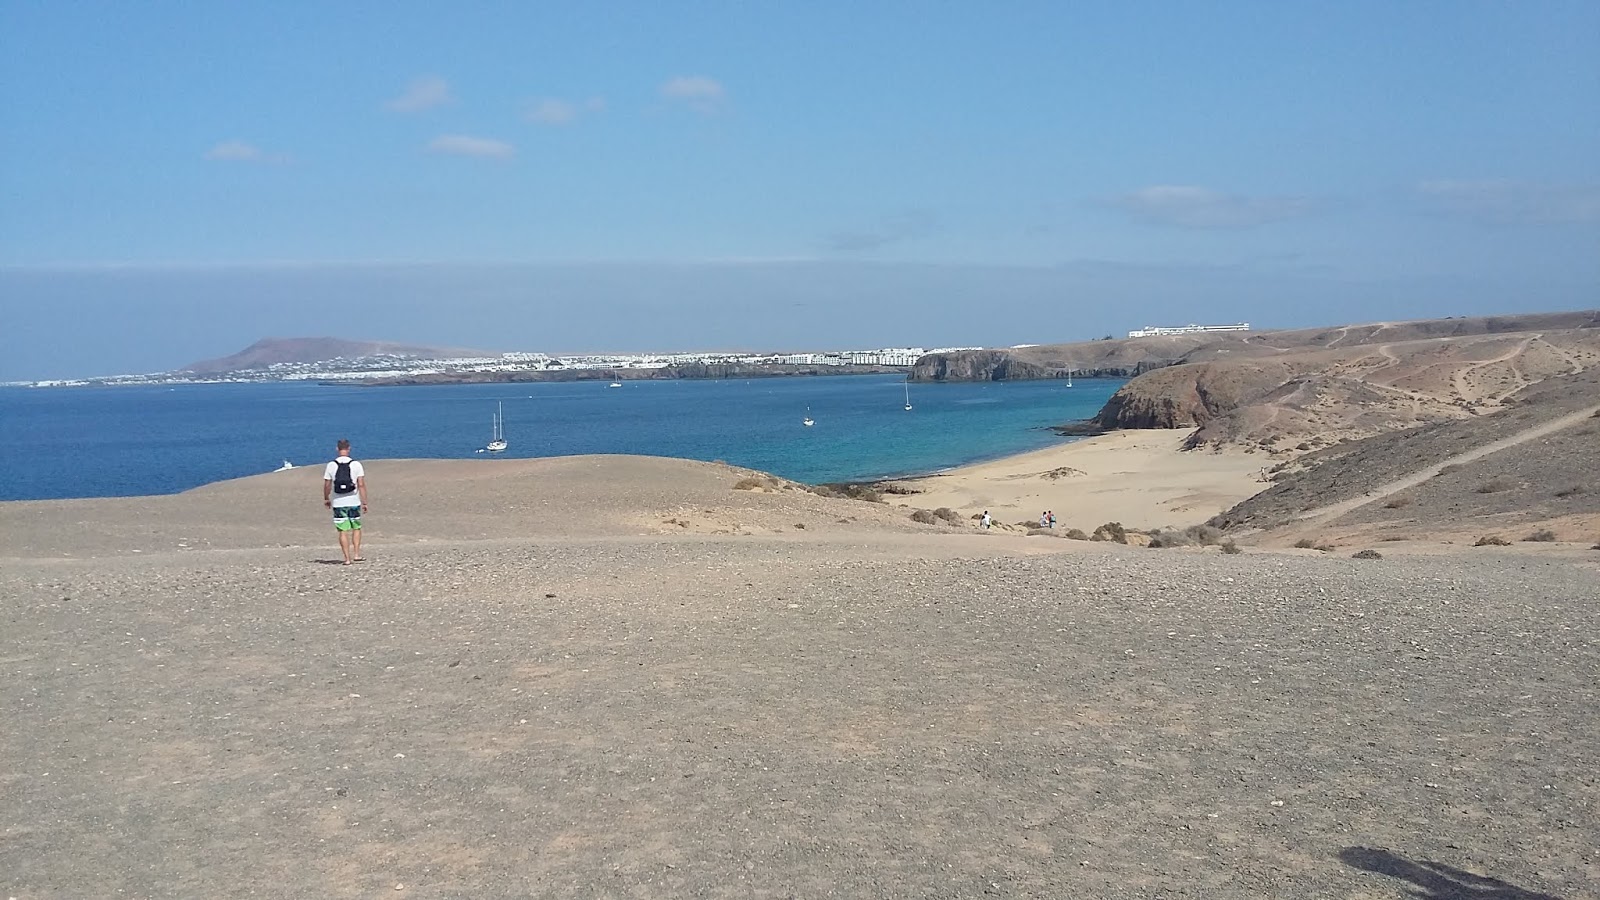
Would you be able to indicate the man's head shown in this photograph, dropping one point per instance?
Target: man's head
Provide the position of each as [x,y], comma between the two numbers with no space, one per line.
[344,447]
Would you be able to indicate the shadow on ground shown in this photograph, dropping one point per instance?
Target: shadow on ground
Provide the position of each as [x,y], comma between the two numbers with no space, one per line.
[1436,881]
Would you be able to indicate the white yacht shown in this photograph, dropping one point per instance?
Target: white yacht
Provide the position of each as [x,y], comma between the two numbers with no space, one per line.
[497,442]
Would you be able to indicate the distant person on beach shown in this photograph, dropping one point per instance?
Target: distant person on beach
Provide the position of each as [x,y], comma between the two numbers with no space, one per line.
[1051,515]
[1044,520]
[986,520]
[344,490]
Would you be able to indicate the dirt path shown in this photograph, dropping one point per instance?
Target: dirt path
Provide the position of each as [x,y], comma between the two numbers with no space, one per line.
[1334,510]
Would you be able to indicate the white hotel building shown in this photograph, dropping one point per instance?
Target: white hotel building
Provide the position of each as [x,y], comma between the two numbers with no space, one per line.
[1155,331]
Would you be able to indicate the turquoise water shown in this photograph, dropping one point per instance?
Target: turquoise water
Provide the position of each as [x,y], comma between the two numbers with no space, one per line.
[123,441]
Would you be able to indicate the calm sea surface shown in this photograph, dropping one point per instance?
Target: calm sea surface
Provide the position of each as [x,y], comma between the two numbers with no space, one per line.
[123,441]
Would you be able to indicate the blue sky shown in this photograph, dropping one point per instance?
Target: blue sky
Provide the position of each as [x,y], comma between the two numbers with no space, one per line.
[178,180]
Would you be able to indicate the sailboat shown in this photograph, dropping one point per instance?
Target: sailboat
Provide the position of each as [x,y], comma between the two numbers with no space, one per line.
[908,395]
[498,443]
[808,421]
[1069,378]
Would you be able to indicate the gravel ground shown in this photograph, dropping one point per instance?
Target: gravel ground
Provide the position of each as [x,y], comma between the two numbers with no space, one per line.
[855,713]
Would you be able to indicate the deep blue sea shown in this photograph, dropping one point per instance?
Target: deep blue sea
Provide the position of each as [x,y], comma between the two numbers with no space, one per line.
[124,441]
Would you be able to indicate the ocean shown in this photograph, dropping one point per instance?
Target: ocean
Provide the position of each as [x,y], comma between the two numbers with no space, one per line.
[136,440]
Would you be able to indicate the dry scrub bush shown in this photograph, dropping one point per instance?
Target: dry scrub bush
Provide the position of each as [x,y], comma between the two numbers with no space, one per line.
[847,492]
[1398,503]
[752,484]
[924,517]
[1495,486]
[1542,536]
[1230,547]
[948,515]
[1170,538]
[1076,534]
[1575,489]
[1367,554]
[1305,544]
[1492,540]
[1110,531]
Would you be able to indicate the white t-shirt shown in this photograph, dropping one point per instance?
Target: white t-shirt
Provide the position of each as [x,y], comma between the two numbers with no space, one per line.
[356,472]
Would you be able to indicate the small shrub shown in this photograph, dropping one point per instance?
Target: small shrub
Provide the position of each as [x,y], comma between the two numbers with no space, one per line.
[949,516]
[924,517]
[1076,534]
[1305,544]
[800,525]
[1492,540]
[1542,536]
[749,484]
[1162,539]
[1575,489]
[1494,486]
[1398,503]
[1110,531]
[1325,548]
[1230,548]
[1367,554]
[1204,535]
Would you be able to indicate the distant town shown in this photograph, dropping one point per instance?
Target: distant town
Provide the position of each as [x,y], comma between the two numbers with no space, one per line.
[391,366]
[412,363]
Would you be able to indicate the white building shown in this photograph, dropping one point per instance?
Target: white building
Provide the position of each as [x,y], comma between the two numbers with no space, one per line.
[1157,331]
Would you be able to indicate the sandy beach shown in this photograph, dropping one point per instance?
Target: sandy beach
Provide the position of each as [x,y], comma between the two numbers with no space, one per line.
[1142,479]
[628,677]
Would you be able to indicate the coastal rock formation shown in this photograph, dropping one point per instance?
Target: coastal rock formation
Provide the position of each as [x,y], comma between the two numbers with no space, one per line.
[1346,387]
[1130,357]
[1186,396]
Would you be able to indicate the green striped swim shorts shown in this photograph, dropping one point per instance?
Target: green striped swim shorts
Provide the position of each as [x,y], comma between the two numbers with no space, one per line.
[347,518]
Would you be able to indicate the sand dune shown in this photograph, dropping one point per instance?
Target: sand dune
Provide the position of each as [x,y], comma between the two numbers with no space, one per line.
[544,684]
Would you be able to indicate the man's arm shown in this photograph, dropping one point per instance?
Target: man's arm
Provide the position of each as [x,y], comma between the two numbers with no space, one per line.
[327,491]
[361,487]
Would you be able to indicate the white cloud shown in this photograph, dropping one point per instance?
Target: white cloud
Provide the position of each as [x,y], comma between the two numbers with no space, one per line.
[466,145]
[423,93]
[1514,202]
[243,151]
[555,111]
[235,151]
[1187,206]
[698,92]
[551,111]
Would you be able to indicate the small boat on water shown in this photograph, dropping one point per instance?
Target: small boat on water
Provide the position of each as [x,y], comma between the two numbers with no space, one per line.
[498,442]
[614,384]
[808,421]
[908,395]
[285,467]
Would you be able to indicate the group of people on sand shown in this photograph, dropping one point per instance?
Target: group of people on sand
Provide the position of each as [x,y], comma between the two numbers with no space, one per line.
[1047,519]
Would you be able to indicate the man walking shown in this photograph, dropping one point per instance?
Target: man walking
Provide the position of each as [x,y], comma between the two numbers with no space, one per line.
[344,490]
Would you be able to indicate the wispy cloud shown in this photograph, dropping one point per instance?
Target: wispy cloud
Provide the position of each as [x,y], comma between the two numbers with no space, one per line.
[243,151]
[893,230]
[423,93]
[555,111]
[466,145]
[1514,202]
[699,93]
[1187,206]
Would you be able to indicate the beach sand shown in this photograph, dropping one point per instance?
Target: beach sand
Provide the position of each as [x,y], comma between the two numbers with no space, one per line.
[624,677]
[1142,479]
